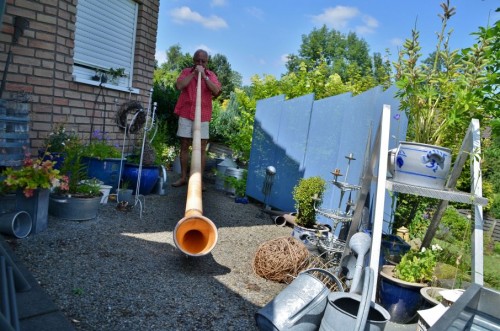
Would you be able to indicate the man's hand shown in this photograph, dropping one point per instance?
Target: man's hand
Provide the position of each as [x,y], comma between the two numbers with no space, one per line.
[199,68]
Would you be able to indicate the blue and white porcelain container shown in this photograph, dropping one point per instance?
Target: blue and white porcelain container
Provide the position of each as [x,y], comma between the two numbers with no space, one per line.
[420,164]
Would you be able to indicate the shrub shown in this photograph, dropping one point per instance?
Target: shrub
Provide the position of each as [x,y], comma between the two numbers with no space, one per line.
[305,193]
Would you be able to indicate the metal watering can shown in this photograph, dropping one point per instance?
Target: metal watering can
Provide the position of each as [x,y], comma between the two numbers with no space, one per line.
[161,184]
[299,307]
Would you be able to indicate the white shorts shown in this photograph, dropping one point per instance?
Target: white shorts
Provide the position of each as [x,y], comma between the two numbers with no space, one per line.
[185,129]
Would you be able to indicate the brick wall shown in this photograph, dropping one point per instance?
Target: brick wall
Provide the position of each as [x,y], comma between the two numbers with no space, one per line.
[42,67]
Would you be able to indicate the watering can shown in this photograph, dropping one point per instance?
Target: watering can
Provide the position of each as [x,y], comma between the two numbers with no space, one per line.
[161,184]
[299,307]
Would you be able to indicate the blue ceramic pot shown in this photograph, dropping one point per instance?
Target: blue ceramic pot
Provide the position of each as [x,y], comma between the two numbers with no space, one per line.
[401,299]
[149,177]
[106,170]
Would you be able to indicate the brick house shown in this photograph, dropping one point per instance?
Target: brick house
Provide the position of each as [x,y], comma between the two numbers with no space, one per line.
[62,49]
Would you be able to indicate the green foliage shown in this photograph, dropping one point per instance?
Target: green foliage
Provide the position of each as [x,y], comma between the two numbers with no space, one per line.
[88,189]
[344,55]
[225,120]
[76,178]
[100,147]
[456,224]
[490,168]
[116,73]
[492,271]
[305,193]
[413,212]
[418,266]
[165,95]
[57,140]
[73,167]
[165,153]
[239,184]
[228,78]
[441,101]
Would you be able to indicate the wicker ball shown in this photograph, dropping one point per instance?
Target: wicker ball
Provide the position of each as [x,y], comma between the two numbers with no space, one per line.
[280,259]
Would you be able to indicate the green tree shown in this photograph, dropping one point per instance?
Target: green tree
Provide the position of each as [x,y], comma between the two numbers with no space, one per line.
[343,54]
[228,78]
[440,102]
[440,97]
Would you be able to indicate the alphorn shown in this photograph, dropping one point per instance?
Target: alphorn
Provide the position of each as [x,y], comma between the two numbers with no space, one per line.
[195,234]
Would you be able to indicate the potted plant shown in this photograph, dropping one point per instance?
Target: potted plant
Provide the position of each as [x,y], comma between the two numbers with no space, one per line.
[102,160]
[400,285]
[150,170]
[54,145]
[307,194]
[100,76]
[239,186]
[81,197]
[32,183]
[168,154]
[125,192]
[115,74]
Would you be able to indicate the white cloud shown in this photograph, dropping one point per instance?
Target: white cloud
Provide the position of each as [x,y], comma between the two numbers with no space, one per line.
[397,41]
[161,56]
[342,17]
[370,21]
[284,58]
[337,17]
[255,12]
[185,14]
[218,3]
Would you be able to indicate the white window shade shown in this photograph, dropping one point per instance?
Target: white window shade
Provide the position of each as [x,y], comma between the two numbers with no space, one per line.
[105,37]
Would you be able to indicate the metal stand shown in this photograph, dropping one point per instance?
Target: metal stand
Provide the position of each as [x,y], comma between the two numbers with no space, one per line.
[150,119]
[470,146]
[333,246]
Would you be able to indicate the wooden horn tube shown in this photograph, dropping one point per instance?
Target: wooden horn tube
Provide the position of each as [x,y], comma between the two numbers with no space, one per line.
[195,234]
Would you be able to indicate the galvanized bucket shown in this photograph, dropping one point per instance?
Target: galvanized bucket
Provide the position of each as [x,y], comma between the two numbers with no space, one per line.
[299,307]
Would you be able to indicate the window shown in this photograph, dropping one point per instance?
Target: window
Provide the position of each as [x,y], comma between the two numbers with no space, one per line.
[105,38]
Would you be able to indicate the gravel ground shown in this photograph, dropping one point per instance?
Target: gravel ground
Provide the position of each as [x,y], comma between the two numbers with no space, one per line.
[121,272]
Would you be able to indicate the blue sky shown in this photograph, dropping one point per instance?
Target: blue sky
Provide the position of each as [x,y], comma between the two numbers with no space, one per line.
[257,35]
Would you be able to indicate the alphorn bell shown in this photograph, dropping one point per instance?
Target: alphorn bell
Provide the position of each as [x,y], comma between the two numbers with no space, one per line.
[195,234]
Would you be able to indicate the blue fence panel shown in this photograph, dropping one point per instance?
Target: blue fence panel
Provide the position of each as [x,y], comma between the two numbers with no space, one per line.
[263,152]
[303,138]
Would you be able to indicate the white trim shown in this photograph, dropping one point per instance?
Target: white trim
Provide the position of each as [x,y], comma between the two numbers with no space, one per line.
[106,85]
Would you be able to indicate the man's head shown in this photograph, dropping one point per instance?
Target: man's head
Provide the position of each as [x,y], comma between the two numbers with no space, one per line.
[200,57]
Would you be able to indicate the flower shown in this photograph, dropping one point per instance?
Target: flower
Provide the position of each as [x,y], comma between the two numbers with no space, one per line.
[418,266]
[100,147]
[168,153]
[34,174]
[57,140]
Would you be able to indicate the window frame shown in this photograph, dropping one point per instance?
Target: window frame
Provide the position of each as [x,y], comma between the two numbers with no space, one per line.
[107,29]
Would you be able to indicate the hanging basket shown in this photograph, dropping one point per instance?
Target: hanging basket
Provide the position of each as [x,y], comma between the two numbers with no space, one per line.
[138,120]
